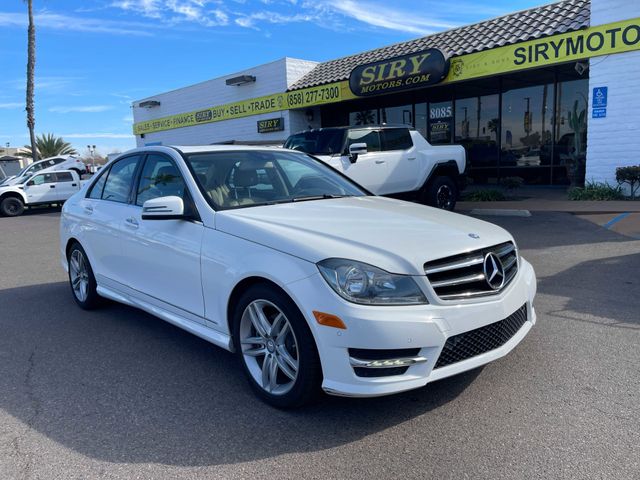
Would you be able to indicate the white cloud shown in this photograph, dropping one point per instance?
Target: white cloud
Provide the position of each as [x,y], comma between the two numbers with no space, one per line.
[379,15]
[97,135]
[175,11]
[81,109]
[11,105]
[56,21]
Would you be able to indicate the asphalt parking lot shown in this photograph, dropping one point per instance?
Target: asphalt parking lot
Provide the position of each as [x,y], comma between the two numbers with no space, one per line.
[116,393]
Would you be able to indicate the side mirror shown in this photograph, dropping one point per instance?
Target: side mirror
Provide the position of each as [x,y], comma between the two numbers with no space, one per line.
[356,149]
[163,208]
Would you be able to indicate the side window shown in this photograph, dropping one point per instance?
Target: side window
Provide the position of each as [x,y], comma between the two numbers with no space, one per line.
[43,178]
[370,137]
[119,180]
[98,187]
[396,139]
[160,178]
[64,177]
[57,161]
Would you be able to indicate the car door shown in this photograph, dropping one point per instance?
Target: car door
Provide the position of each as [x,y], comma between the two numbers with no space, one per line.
[401,161]
[369,169]
[41,188]
[103,207]
[163,256]
[66,185]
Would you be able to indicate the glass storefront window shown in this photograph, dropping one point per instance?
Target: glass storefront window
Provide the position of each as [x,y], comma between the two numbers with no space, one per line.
[421,119]
[570,149]
[440,122]
[397,115]
[527,115]
[477,122]
[364,117]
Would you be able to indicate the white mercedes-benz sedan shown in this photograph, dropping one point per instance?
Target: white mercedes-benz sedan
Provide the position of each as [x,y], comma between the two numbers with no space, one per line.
[313,282]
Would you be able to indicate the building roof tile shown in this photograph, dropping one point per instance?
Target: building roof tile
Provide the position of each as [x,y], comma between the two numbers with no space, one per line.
[561,17]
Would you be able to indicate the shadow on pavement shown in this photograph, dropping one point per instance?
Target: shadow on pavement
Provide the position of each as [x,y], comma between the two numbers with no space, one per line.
[119,385]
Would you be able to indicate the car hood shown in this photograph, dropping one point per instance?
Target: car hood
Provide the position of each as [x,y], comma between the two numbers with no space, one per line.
[394,235]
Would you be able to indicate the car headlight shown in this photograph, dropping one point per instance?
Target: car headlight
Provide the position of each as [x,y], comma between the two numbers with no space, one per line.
[365,284]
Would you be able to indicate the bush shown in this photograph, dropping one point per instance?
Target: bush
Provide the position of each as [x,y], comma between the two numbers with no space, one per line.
[511,183]
[630,176]
[596,191]
[489,195]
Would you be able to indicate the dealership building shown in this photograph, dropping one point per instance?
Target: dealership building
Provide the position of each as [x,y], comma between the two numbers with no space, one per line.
[550,94]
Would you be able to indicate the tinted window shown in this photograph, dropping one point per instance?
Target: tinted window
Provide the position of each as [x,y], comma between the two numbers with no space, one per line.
[119,180]
[96,188]
[159,178]
[320,142]
[56,161]
[64,177]
[370,137]
[396,139]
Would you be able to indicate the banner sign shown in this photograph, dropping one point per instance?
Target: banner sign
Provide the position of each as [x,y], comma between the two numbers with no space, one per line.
[383,77]
[579,45]
[271,125]
[308,97]
[414,70]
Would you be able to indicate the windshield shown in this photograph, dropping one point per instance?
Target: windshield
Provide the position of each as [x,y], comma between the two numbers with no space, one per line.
[319,142]
[238,179]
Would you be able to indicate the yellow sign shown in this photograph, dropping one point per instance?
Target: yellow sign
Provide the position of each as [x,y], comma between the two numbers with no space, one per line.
[308,97]
[591,42]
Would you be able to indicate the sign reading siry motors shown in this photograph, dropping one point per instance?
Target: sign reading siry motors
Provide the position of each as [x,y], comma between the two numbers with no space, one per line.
[413,70]
[271,125]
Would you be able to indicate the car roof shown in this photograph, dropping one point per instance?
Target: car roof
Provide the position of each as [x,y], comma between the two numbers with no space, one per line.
[359,127]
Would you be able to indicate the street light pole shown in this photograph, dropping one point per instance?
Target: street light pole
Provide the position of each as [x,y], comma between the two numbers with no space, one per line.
[92,150]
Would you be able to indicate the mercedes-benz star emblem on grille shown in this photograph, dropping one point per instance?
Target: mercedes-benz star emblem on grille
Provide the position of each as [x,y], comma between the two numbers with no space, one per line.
[474,235]
[493,271]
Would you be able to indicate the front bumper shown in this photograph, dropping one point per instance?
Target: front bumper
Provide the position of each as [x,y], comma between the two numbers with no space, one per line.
[423,327]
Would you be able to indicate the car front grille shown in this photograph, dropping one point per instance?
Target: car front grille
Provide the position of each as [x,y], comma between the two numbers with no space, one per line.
[481,340]
[463,276]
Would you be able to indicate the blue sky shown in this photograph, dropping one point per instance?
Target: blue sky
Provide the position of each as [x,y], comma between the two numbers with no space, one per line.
[95,56]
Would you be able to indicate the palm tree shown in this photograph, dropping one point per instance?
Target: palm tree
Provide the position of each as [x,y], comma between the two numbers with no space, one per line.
[48,145]
[31,66]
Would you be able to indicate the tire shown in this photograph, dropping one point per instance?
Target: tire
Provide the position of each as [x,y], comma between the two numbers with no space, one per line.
[85,290]
[294,357]
[441,192]
[12,207]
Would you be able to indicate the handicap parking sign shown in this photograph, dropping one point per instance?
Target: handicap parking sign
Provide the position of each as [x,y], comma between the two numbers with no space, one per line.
[599,97]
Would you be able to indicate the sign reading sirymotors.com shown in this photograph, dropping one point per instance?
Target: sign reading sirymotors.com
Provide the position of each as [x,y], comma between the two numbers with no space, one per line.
[413,70]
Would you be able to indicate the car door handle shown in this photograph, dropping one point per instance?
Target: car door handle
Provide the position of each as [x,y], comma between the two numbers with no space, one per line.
[379,161]
[52,186]
[74,184]
[411,158]
[131,222]
[88,209]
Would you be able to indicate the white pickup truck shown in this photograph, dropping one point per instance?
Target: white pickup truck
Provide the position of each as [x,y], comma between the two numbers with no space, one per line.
[47,188]
[389,160]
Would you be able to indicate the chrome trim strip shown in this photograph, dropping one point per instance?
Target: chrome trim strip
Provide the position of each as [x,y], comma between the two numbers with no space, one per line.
[509,263]
[458,281]
[505,250]
[455,265]
[386,363]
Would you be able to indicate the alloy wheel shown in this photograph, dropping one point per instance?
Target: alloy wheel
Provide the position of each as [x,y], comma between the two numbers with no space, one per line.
[79,275]
[444,197]
[269,347]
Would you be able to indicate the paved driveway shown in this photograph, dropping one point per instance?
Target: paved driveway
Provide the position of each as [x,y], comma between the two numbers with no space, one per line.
[117,393]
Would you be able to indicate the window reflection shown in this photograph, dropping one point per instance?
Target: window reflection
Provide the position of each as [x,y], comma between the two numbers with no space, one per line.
[527,115]
[477,122]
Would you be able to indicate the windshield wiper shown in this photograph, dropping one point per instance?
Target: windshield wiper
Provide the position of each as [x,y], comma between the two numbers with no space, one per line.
[318,197]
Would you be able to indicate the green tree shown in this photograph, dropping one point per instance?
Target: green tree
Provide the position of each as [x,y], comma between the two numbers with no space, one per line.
[48,145]
[31,67]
